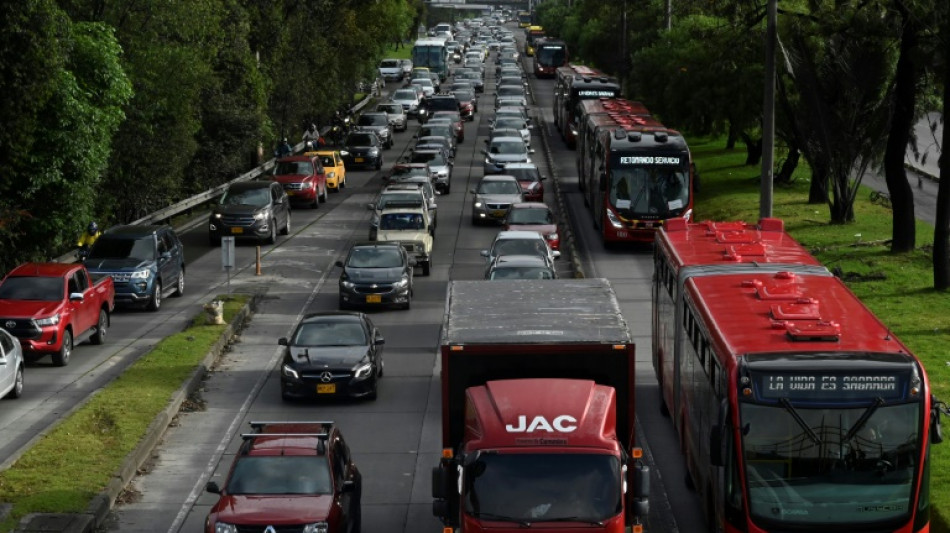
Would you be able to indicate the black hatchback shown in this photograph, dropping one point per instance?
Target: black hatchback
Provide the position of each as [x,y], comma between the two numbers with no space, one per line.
[332,354]
[363,149]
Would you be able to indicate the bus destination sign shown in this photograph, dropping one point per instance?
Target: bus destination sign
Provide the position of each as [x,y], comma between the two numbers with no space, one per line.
[829,386]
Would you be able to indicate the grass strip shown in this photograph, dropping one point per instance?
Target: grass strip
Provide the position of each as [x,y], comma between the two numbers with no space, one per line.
[77,459]
[898,288]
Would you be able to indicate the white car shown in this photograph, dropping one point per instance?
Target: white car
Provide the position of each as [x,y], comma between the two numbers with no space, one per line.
[428,88]
[11,366]
[408,98]
[390,69]
[396,113]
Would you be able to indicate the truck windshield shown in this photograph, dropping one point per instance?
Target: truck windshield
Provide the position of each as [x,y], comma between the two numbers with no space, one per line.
[42,289]
[809,466]
[660,191]
[543,487]
[142,249]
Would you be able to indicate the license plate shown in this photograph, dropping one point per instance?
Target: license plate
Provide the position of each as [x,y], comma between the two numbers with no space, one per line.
[291,193]
[373,298]
[237,230]
[498,213]
[326,388]
[357,159]
[621,234]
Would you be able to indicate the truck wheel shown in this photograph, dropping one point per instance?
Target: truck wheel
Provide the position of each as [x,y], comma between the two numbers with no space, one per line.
[156,300]
[61,358]
[17,389]
[427,267]
[180,284]
[286,229]
[101,327]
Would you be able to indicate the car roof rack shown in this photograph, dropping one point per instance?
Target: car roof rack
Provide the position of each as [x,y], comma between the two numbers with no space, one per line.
[260,426]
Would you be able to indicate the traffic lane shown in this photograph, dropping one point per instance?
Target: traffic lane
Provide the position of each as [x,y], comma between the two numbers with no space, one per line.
[409,357]
[674,507]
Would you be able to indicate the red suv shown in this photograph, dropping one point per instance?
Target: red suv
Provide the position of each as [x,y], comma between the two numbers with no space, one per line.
[289,476]
[303,179]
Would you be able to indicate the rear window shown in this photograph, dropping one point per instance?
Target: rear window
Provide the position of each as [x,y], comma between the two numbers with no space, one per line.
[388,63]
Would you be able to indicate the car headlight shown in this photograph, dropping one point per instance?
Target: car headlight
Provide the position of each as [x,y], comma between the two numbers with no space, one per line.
[612,217]
[141,274]
[319,527]
[478,205]
[48,321]
[221,527]
[362,371]
[373,152]
[347,284]
[401,284]
[331,174]
[261,215]
[217,215]
[289,371]
[307,185]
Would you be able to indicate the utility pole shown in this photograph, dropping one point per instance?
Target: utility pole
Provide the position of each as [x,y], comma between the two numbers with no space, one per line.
[768,115]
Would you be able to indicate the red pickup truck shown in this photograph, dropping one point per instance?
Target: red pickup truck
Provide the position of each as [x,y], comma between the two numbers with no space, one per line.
[50,307]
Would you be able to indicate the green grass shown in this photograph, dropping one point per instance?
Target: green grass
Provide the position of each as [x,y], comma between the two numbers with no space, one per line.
[404,51]
[898,288]
[75,461]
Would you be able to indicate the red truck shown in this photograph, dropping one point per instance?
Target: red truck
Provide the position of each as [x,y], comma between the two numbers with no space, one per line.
[51,307]
[538,410]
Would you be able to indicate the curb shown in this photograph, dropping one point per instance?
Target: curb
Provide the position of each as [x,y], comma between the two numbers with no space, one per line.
[101,504]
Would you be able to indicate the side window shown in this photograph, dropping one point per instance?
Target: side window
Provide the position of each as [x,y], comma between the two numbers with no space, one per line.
[5,346]
[162,244]
[339,463]
[75,283]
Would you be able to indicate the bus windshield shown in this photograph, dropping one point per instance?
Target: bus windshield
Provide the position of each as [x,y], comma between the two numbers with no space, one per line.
[830,465]
[543,487]
[551,55]
[428,56]
[661,191]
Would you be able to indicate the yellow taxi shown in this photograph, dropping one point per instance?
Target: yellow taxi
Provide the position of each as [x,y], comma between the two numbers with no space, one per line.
[332,163]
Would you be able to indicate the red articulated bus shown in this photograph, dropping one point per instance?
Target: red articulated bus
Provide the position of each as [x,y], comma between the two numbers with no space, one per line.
[637,175]
[549,55]
[574,83]
[797,409]
[587,128]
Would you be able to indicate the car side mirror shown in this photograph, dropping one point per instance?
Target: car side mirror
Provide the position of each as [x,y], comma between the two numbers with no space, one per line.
[555,254]
[75,297]
[541,178]
[379,340]
[348,486]
[530,150]
[283,341]
[213,487]
[371,206]
[339,263]
[483,253]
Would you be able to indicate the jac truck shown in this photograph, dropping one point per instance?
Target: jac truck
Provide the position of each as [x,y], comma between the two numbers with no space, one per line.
[51,307]
[538,410]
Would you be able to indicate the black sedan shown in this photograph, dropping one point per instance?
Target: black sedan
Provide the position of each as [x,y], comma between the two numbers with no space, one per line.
[376,274]
[333,354]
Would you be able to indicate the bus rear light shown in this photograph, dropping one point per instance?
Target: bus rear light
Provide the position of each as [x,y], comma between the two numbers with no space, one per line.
[636,453]
[747,392]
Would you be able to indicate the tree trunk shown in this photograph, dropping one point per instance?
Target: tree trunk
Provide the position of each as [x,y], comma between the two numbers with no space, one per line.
[942,221]
[788,166]
[818,188]
[753,149]
[903,225]
[732,138]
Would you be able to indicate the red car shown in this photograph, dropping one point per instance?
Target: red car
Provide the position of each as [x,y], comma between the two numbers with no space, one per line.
[51,307]
[289,476]
[534,216]
[530,179]
[455,118]
[303,179]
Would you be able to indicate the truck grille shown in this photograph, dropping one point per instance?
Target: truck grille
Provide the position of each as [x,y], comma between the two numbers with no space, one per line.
[22,328]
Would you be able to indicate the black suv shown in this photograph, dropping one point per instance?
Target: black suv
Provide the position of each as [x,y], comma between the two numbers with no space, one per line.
[250,209]
[437,102]
[145,262]
[363,149]
[289,476]
[376,274]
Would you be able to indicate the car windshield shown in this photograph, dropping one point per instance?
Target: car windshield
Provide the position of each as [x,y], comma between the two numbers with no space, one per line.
[389,63]
[285,168]
[252,197]
[536,487]
[519,247]
[510,90]
[390,108]
[426,157]
[361,139]
[499,187]
[330,334]
[280,474]
[520,272]
[405,172]
[512,122]
[508,147]
[530,216]
[401,221]
[141,249]
[37,288]
[373,120]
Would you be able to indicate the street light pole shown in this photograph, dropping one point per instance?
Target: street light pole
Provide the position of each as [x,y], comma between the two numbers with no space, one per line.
[768,115]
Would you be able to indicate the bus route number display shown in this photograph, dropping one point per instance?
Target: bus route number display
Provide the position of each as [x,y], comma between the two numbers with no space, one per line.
[821,386]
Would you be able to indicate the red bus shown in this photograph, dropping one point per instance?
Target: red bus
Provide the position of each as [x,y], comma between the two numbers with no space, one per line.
[638,176]
[797,409]
[549,55]
[574,83]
